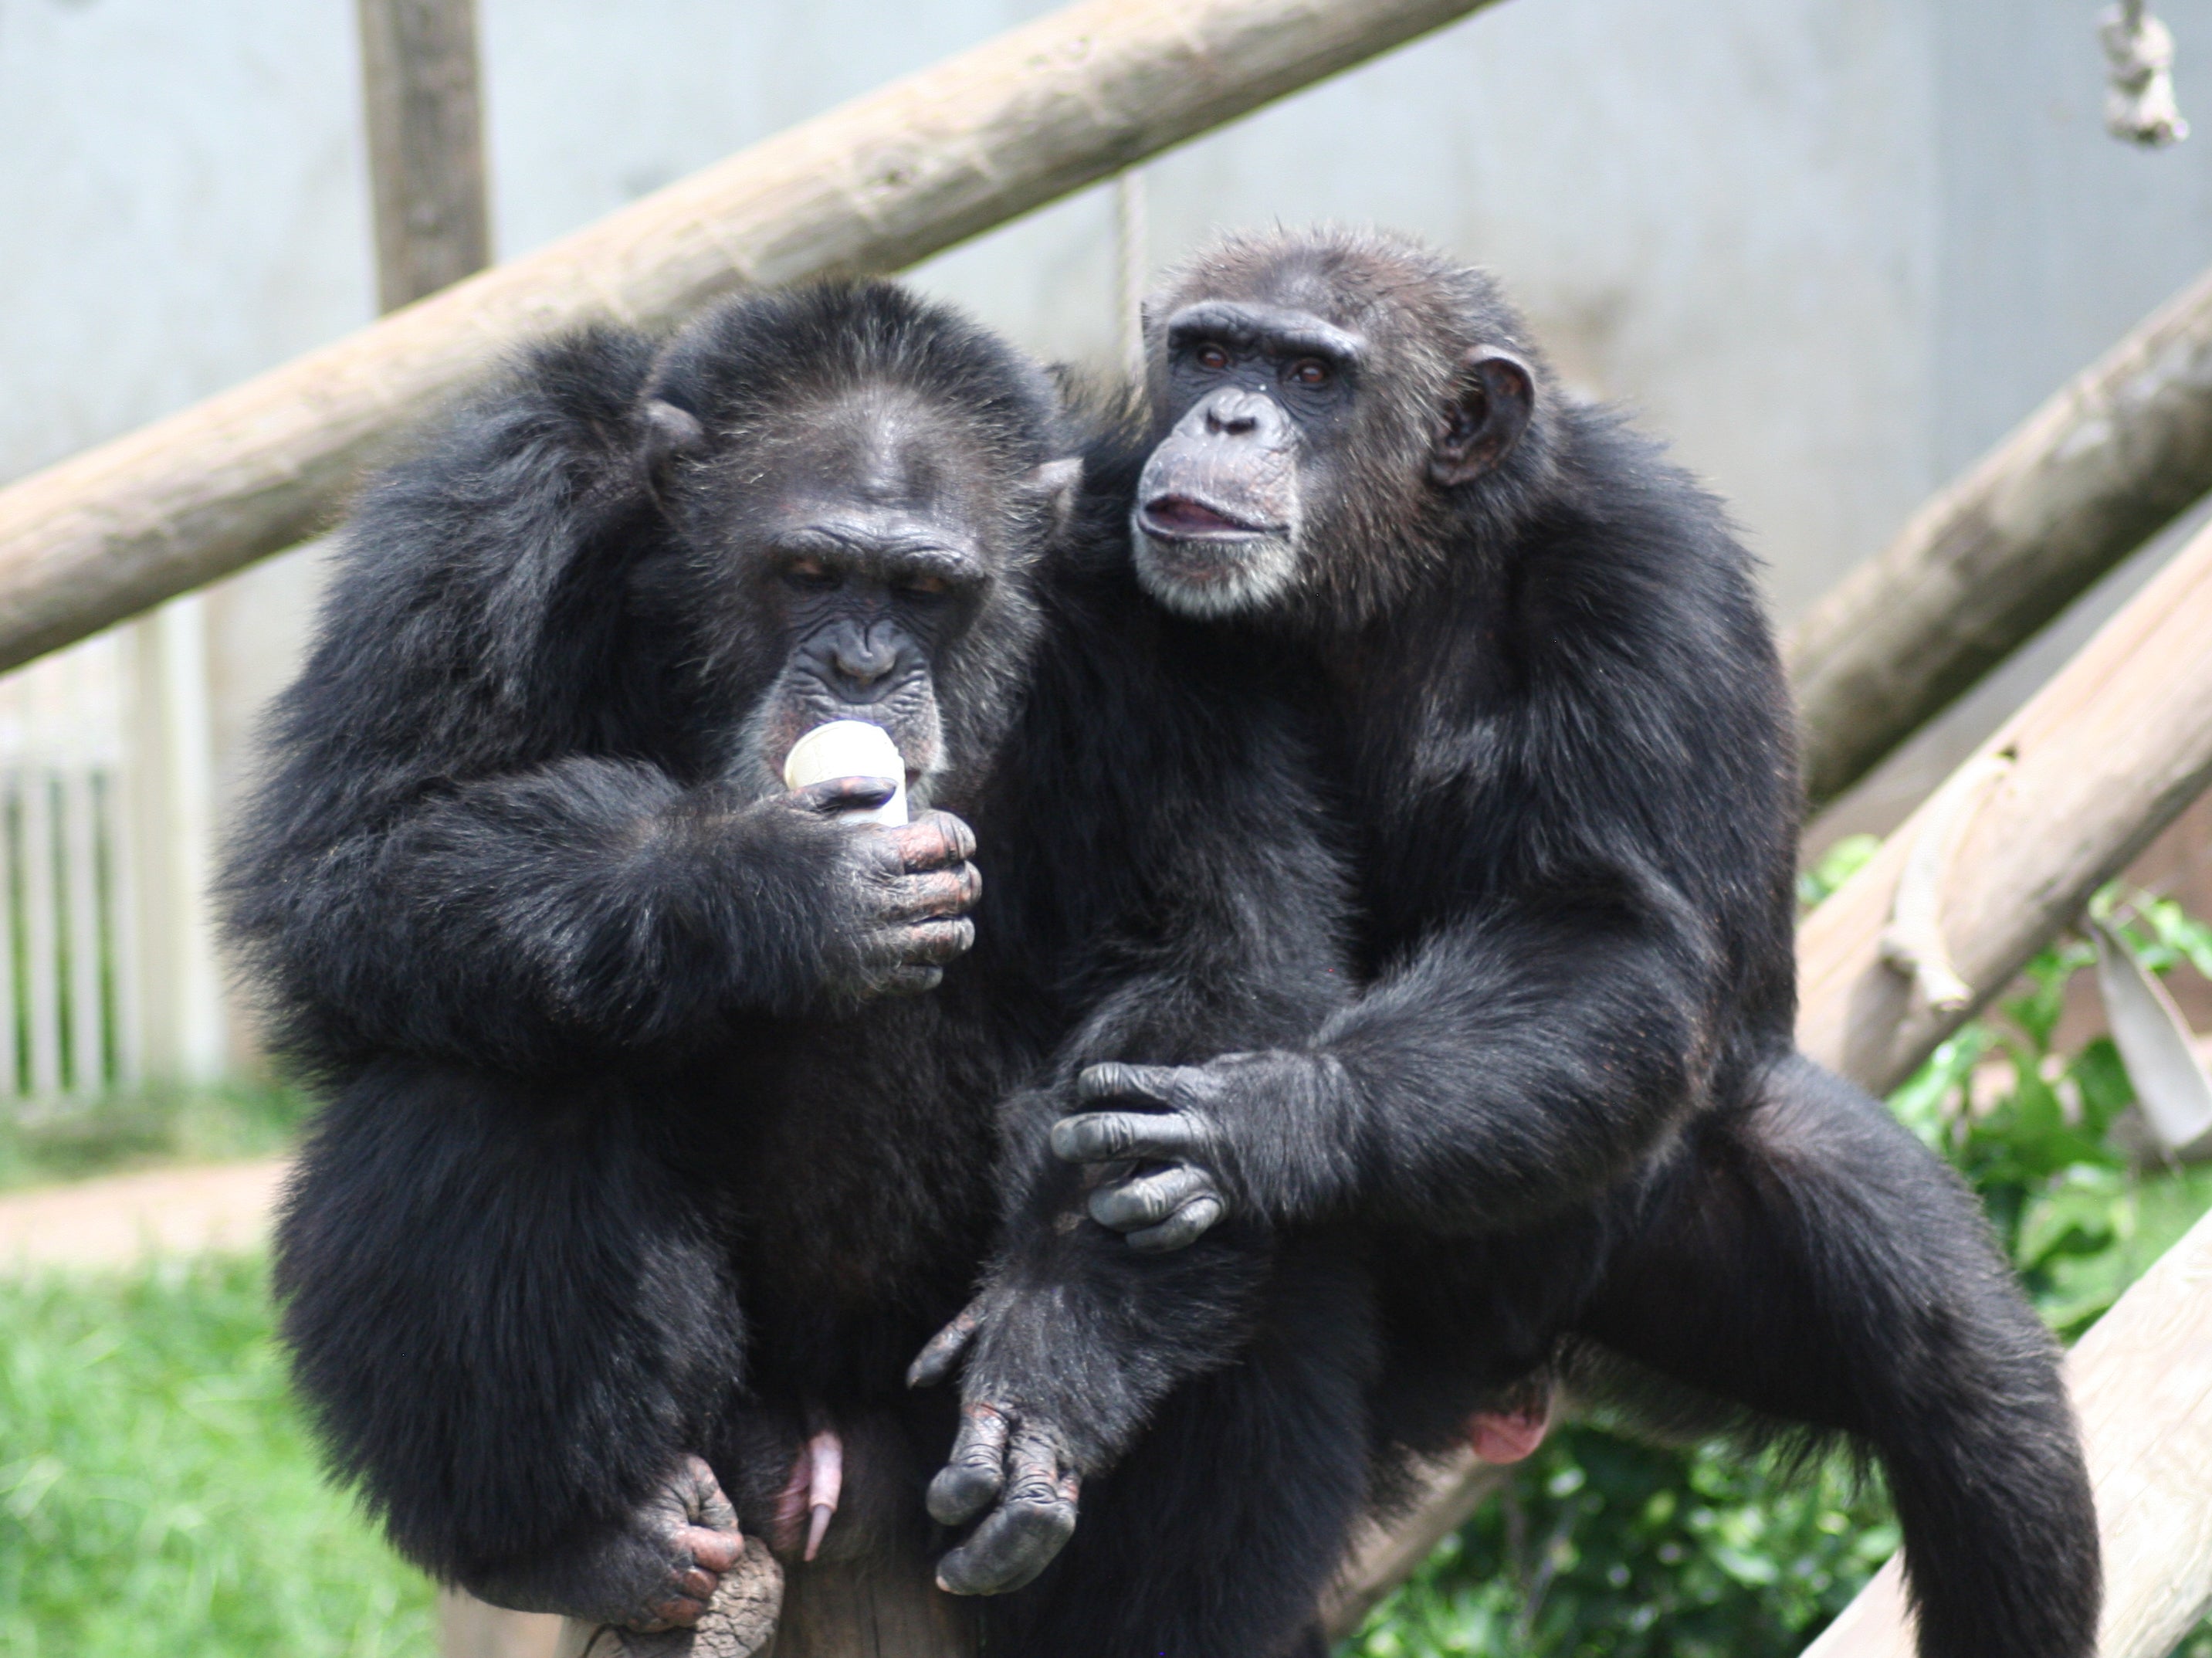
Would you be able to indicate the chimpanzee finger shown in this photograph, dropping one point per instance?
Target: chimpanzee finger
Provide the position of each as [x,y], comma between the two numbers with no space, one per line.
[932,943]
[714,1550]
[932,841]
[941,1355]
[975,1471]
[704,1503]
[1115,1080]
[935,892]
[906,981]
[1145,1202]
[1181,1229]
[1100,1137]
[837,795]
[1019,1539]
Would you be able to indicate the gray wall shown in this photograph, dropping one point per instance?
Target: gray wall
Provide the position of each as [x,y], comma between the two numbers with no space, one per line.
[1830,247]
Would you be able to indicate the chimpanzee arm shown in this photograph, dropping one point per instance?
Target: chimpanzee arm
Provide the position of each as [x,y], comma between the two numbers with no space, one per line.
[1231,937]
[589,903]
[1522,1061]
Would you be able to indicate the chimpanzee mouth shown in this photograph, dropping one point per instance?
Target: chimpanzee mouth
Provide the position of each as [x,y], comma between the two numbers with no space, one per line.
[1181,518]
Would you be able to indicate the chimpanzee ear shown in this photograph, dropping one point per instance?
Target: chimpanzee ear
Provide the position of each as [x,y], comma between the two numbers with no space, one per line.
[1058,483]
[1491,398]
[671,434]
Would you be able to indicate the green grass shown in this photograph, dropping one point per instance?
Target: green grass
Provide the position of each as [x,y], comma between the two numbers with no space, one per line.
[73,1140]
[159,1497]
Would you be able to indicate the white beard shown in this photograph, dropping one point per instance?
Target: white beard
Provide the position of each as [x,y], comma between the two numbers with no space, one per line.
[1263,573]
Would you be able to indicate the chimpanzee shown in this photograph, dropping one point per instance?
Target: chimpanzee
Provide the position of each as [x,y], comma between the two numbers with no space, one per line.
[1564,1118]
[662,1105]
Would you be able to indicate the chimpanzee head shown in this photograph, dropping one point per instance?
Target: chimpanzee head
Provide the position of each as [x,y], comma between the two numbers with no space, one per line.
[859,482]
[1331,409]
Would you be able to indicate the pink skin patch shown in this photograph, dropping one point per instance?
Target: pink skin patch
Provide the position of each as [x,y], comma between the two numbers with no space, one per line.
[809,1498]
[1502,1437]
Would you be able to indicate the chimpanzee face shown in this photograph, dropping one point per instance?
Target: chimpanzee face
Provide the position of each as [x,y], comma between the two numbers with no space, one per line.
[840,559]
[1259,401]
[1287,423]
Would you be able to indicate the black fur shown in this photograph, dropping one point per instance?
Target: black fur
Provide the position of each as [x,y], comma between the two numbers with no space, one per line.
[617,1164]
[1565,1122]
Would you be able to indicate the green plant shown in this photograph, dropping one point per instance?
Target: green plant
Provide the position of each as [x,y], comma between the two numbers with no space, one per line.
[158,1495]
[71,1139]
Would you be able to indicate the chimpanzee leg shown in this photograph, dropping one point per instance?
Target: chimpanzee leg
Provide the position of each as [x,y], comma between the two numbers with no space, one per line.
[1215,1536]
[1808,1259]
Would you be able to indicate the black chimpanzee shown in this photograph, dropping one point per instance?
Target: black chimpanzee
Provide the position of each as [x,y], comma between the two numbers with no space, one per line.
[643,1172]
[1565,1118]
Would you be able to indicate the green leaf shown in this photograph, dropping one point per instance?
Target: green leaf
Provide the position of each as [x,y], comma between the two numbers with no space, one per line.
[2101,1077]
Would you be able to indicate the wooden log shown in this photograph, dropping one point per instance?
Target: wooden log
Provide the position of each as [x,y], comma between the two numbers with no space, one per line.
[1383,1556]
[854,1610]
[874,186]
[2097,471]
[426,169]
[2142,1382]
[2055,804]
[467,1628]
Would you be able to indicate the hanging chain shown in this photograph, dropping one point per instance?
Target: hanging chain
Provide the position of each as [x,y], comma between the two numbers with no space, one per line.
[2140,106]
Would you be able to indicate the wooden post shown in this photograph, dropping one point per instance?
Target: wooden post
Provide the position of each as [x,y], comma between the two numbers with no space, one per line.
[2096,472]
[419,92]
[421,101]
[885,180]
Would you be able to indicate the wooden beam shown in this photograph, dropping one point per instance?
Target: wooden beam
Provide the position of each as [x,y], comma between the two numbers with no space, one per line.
[2142,1382]
[2051,806]
[885,180]
[1383,1556]
[425,111]
[2055,804]
[2109,461]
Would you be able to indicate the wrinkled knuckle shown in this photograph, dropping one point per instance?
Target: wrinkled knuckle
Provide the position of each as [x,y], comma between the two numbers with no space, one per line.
[1043,1515]
[957,835]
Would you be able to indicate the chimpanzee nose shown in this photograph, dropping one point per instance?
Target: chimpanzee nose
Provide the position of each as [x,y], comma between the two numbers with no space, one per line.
[860,657]
[1245,414]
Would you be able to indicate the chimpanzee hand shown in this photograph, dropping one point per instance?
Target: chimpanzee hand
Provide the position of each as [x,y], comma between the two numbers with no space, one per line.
[1011,1461]
[1246,1133]
[914,887]
[659,1569]
[1160,1157]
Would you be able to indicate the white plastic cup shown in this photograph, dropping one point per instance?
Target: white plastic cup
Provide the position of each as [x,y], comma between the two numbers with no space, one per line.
[850,749]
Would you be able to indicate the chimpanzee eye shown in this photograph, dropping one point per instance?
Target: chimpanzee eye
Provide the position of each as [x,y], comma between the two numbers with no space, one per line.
[925,587]
[1311,371]
[809,573]
[1212,358]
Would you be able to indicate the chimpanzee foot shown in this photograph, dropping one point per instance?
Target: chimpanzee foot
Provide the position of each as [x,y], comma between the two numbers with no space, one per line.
[661,1568]
[808,1501]
[739,1620]
[1016,1475]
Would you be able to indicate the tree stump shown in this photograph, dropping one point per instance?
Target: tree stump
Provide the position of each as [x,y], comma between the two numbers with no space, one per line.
[888,1607]
[873,1609]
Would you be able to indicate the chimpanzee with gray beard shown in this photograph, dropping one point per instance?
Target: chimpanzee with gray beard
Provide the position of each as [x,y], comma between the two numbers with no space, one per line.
[645,1165]
[1566,1117]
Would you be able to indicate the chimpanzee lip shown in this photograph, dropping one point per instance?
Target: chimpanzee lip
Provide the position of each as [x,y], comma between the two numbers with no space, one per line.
[1184,518]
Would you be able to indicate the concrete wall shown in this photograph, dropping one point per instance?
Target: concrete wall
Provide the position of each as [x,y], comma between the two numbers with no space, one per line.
[1830,248]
